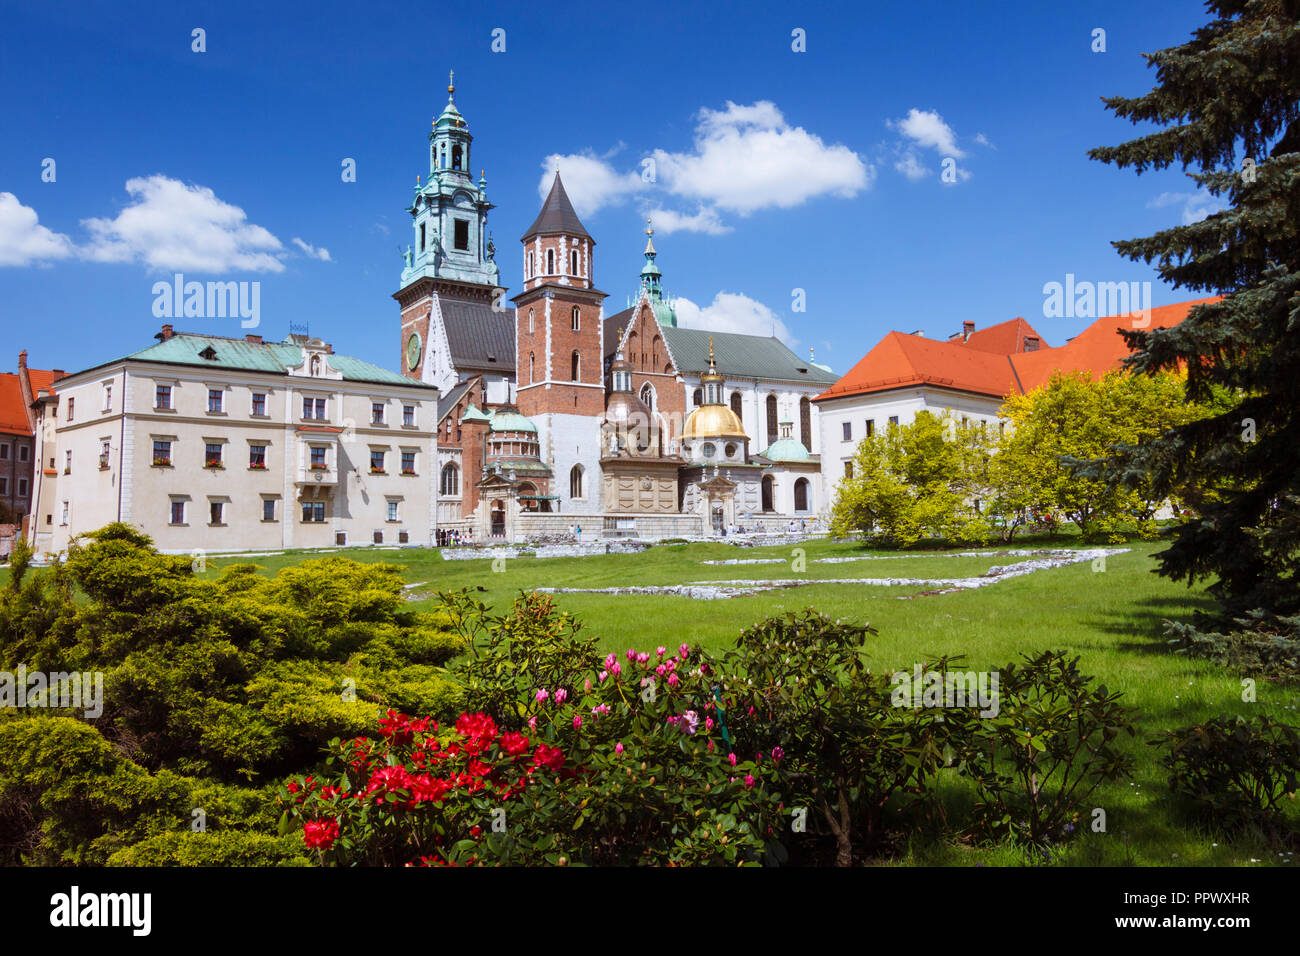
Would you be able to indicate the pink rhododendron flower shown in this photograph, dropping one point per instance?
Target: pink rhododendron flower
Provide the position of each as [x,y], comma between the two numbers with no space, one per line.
[577,721]
[586,685]
[601,676]
[616,669]
[618,748]
[777,753]
[660,650]
[631,653]
[642,658]
[532,723]
[732,758]
[708,723]
[541,695]
[749,779]
[660,670]
[672,680]
[684,650]
[560,695]
[609,661]
[711,747]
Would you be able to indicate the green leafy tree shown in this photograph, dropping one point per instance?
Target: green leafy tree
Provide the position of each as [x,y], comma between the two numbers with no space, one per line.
[1228,104]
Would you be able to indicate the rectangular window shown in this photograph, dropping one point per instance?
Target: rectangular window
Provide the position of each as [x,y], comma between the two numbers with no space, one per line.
[257,456]
[462,234]
[848,469]
[313,408]
[4,485]
[392,511]
[871,427]
[22,487]
[376,461]
[259,403]
[162,397]
[216,399]
[108,397]
[318,456]
[421,237]
[22,453]
[212,454]
[105,452]
[216,512]
[67,462]
[379,537]
[313,511]
[268,509]
[848,431]
[178,512]
[893,419]
[376,413]
[72,405]
[408,415]
[67,512]
[162,453]
[4,452]
[408,462]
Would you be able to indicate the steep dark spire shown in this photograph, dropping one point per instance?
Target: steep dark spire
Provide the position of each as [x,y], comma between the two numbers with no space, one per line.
[557,215]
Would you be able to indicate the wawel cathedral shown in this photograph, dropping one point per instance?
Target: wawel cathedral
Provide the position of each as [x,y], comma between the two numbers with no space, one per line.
[554,415]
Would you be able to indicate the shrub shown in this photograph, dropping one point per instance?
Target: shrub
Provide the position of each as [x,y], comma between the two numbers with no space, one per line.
[1234,772]
[220,848]
[1261,644]
[1037,762]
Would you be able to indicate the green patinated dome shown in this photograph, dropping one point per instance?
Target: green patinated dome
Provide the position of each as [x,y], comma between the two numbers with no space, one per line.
[504,421]
[787,449]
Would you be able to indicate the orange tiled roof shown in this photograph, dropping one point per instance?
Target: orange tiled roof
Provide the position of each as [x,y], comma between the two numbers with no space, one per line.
[13,414]
[902,361]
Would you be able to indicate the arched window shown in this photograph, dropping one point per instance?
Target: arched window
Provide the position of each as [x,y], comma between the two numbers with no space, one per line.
[575,482]
[575,366]
[648,396]
[801,495]
[771,419]
[450,481]
[550,262]
[530,318]
[573,262]
[532,271]
[768,486]
[805,422]
[654,352]
[532,368]
[455,157]
[576,317]
[698,397]
[735,404]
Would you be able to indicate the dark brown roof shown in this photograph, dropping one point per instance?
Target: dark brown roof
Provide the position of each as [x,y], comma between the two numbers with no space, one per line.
[480,340]
[557,215]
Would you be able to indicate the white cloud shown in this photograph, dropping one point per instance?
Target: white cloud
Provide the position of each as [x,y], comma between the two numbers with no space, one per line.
[1196,205]
[171,225]
[23,240]
[926,128]
[590,181]
[748,158]
[911,167]
[744,158]
[732,312]
[984,141]
[311,251]
[668,221]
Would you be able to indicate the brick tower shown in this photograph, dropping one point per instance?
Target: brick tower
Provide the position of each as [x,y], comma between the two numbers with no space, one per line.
[559,349]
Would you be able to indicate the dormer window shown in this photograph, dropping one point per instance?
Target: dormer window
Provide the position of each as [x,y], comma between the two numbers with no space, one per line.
[209,354]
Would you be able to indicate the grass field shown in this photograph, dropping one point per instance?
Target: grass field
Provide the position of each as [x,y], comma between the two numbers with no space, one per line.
[1111,619]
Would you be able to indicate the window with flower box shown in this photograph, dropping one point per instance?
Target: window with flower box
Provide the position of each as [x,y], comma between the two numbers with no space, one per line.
[318,457]
[376,462]
[212,455]
[162,453]
[257,457]
[408,462]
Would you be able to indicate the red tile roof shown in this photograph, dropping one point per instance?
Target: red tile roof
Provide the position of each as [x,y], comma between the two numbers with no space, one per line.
[994,362]
[13,414]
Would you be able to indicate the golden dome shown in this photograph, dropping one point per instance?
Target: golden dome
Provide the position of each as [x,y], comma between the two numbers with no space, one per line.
[713,421]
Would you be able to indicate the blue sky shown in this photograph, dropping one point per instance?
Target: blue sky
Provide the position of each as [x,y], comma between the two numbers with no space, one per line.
[775,170]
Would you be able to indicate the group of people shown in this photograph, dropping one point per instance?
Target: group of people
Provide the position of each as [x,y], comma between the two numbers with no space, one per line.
[575,532]
[450,537]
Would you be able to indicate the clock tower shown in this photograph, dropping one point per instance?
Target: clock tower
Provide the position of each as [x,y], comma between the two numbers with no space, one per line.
[450,295]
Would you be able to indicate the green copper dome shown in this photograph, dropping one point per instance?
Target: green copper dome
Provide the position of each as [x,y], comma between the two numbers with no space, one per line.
[787,449]
[504,421]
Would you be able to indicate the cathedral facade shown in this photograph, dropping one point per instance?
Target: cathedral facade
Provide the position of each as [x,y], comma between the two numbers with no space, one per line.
[555,416]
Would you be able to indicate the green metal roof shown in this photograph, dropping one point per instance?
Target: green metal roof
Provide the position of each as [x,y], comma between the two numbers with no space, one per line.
[511,422]
[743,356]
[472,414]
[275,358]
[787,449]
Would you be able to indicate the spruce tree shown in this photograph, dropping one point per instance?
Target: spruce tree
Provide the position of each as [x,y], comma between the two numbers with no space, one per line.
[1228,104]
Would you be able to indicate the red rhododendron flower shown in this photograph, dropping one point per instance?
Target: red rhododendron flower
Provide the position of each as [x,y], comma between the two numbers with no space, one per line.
[320,834]
[476,726]
[513,743]
[551,757]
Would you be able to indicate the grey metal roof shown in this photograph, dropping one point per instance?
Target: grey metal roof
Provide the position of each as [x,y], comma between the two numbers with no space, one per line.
[480,340]
[557,214]
[742,356]
[447,401]
[614,326]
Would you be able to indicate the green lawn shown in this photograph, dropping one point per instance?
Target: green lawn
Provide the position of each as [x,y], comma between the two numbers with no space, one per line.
[1111,619]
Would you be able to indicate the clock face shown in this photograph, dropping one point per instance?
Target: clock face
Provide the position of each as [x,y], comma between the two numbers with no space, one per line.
[413,350]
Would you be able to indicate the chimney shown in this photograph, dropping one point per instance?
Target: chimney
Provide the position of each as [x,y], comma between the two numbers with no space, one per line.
[966,329]
[329,349]
[166,332]
[255,339]
[919,332]
[1031,343]
[57,373]
[22,359]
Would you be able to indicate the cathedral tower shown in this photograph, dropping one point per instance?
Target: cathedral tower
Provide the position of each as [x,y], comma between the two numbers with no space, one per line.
[560,348]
